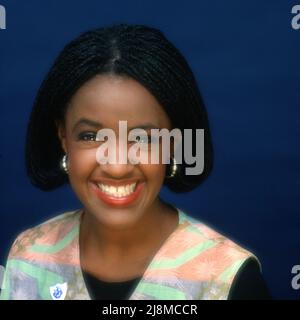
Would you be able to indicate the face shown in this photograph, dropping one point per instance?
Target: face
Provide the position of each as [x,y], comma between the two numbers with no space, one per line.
[115,194]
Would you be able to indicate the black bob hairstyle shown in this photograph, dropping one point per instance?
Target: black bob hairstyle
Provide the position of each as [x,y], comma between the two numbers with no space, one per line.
[136,51]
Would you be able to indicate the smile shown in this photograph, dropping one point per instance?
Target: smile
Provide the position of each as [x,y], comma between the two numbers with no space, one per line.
[118,195]
[118,192]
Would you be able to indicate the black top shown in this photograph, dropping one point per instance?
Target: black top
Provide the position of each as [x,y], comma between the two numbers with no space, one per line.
[248,284]
[102,290]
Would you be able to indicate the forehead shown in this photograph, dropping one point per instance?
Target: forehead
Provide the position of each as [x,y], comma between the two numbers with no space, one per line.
[108,99]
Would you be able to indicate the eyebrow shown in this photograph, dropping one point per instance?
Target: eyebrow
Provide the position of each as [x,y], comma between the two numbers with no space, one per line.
[145,126]
[95,124]
[88,122]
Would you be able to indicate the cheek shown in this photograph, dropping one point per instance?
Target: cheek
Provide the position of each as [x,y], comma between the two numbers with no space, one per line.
[81,163]
[155,174]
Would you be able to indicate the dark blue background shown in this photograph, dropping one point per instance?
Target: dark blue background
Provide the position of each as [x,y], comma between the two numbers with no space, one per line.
[245,56]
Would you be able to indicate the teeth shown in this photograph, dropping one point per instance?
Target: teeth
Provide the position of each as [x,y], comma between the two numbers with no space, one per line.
[122,191]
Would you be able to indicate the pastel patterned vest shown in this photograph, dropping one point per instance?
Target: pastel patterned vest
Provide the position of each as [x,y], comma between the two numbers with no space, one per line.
[194,263]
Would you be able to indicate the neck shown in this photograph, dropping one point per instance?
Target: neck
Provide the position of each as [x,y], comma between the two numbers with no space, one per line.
[133,241]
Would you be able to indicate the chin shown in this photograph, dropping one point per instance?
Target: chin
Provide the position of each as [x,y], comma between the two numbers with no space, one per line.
[117,217]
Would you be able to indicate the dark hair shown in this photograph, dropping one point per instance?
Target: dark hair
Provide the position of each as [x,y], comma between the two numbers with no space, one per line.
[135,51]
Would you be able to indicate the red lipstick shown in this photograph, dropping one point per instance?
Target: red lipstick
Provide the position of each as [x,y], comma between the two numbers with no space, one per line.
[118,201]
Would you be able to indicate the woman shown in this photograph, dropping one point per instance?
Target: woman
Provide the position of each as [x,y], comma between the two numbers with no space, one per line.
[125,243]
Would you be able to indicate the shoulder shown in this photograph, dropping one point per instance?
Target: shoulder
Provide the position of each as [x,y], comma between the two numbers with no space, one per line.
[249,283]
[42,256]
[204,232]
[219,257]
[45,236]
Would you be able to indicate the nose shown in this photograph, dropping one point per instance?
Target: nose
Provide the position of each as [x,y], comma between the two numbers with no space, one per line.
[113,160]
[117,171]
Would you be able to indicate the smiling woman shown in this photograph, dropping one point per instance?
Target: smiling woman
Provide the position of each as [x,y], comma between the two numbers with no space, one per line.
[125,242]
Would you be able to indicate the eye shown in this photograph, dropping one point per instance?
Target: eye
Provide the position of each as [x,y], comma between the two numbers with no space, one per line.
[87,136]
[147,139]
[143,139]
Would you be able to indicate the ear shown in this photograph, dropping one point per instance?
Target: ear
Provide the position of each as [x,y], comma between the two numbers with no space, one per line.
[61,132]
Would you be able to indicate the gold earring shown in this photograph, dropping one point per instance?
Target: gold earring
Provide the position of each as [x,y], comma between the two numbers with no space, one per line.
[173,169]
[63,164]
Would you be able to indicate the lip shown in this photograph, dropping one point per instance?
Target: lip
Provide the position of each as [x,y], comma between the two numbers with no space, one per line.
[120,201]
